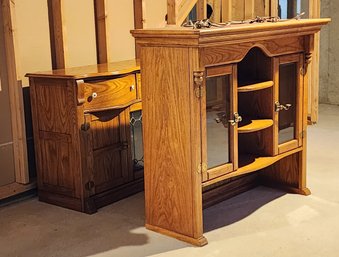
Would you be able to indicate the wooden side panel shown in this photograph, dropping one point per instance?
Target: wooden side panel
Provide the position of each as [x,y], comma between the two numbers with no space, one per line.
[56,150]
[283,173]
[55,137]
[166,133]
[54,102]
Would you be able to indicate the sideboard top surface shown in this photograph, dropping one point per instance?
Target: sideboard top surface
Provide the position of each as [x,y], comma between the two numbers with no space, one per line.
[105,69]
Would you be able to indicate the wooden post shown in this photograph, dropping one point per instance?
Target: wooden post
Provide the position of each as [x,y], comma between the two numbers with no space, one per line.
[171,12]
[226,10]
[15,94]
[314,10]
[101,31]
[138,6]
[201,9]
[177,11]
[274,8]
[56,34]
[249,9]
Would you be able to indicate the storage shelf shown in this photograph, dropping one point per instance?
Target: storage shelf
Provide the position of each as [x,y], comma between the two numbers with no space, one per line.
[249,164]
[255,125]
[255,87]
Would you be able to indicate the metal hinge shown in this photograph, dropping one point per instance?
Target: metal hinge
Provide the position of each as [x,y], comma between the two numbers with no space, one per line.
[303,134]
[86,125]
[198,78]
[202,168]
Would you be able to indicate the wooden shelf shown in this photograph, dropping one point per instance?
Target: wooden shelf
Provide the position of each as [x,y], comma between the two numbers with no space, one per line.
[248,164]
[255,125]
[255,87]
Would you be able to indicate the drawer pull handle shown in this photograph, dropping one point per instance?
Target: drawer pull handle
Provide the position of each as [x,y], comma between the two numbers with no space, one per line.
[94,95]
[132,87]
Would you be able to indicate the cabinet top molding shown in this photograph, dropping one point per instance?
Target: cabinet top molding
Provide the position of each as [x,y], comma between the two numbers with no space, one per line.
[83,72]
[183,36]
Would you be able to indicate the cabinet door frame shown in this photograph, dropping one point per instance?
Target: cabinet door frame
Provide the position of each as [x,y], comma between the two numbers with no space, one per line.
[297,141]
[231,70]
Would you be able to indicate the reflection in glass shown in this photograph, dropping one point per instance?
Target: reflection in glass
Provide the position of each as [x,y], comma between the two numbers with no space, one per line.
[287,95]
[217,116]
[136,138]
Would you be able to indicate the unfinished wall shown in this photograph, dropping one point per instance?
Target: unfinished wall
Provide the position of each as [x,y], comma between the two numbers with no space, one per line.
[329,52]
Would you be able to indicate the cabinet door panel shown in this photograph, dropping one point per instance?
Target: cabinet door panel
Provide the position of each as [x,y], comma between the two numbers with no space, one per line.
[219,107]
[112,163]
[288,103]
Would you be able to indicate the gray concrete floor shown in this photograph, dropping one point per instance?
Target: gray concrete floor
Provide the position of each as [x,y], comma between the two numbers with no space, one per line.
[261,222]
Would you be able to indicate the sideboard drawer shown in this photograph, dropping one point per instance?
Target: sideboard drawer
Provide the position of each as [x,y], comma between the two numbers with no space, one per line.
[118,92]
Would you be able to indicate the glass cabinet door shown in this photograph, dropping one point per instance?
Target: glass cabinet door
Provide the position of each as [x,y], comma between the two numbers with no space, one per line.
[218,110]
[288,103]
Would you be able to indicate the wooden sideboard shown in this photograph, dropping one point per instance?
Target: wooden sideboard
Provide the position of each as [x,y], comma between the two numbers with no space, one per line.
[220,103]
[87,134]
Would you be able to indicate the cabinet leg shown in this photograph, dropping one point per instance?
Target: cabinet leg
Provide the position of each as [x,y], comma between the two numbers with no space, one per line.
[201,241]
[89,206]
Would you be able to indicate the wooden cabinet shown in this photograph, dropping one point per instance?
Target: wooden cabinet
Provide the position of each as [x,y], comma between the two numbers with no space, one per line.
[221,106]
[83,135]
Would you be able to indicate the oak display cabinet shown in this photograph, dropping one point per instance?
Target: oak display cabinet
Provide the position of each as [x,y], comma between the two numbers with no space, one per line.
[87,134]
[221,104]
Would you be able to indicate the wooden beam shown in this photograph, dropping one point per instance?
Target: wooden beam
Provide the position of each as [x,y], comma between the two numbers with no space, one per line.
[314,10]
[178,10]
[15,93]
[249,9]
[56,34]
[274,8]
[139,7]
[101,31]
[14,189]
[226,10]
[201,9]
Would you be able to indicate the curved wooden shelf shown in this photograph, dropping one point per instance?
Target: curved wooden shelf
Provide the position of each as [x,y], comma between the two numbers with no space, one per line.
[248,164]
[255,125]
[255,87]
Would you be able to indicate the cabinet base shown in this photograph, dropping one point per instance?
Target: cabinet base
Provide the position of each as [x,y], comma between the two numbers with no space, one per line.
[90,205]
[201,241]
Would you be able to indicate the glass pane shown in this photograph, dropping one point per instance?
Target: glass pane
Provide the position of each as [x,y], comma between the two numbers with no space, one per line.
[287,95]
[217,116]
[136,138]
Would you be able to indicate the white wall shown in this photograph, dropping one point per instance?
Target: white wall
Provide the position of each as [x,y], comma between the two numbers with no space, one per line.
[120,20]
[79,37]
[32,34]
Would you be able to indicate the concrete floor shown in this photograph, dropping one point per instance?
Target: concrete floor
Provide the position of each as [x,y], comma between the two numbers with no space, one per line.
[262,222]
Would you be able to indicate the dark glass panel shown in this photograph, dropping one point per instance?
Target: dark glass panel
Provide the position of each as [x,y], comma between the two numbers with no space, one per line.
[136,138]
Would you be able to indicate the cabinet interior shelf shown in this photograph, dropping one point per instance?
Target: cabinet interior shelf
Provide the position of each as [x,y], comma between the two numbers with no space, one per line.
[255,125]
[255,87]
[251,163]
